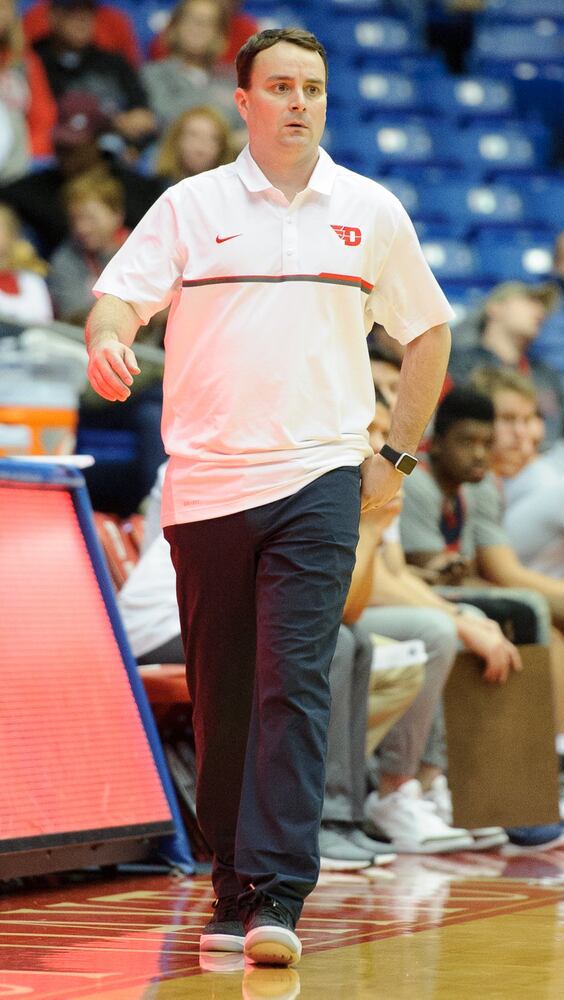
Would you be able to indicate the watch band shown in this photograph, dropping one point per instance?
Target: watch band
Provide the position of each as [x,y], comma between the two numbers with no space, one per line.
[401,460]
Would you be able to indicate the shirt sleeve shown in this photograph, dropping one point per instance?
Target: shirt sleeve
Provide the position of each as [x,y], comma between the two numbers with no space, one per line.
[488,524]
[148,268]
[420,514]
[406,299]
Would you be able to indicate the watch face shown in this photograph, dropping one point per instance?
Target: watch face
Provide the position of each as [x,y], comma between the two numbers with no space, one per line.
[406,464]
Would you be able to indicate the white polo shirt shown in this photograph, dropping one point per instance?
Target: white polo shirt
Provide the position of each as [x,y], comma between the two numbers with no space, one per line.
[267,379]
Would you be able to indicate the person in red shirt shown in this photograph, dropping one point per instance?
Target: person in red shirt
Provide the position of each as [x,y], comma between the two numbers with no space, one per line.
[113,29]
[240,27]
[28,108]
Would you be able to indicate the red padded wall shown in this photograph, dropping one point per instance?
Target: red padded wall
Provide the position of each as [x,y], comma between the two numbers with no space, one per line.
[74,754]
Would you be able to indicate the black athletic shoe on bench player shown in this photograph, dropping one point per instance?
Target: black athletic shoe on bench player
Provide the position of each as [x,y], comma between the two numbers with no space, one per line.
[269,934]
[225,931]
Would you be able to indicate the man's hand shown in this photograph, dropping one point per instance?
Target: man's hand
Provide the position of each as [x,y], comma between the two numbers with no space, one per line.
[485,638]
[111,368]
[380,482]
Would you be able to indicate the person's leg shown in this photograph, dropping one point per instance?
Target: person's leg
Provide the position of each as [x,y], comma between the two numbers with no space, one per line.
[303,576]
[522,614]
[398,809]
[215,567]
[349,676]
[391,691]
[401,749]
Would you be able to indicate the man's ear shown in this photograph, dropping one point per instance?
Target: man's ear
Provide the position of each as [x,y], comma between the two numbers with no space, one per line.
[240,98]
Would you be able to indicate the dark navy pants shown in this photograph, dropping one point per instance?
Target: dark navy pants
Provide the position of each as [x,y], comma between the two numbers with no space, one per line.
[261,594]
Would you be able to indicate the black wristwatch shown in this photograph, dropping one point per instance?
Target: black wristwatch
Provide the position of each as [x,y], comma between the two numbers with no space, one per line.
[401,460]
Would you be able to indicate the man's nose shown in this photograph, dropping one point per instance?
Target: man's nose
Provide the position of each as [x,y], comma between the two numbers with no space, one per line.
[297,100]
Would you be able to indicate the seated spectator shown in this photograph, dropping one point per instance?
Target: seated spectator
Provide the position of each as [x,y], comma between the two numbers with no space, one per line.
[37,198]
[532,491]
[549,345]
[113,29]
[412,806]
[73,62]
[95,209]
[239,28]
[27,108]
[23,291]
[198,140]
[502,331]
[452,507]
[189,75]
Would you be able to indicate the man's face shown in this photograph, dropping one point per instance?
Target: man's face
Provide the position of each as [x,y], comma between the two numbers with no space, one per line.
[73,27]
[286,103]
[198,28]
[94,224]
[515,432]
[462,454]
[386,377]
[520,315]
[199,144]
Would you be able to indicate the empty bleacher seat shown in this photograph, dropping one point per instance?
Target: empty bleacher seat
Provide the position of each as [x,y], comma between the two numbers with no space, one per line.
[540,41]
[471,97]
[451,259]
[504,146]
[365,37]
[518,256]
[469,204]
[521,10]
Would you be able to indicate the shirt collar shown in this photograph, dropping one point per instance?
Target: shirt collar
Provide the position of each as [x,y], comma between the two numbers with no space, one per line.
[253,178]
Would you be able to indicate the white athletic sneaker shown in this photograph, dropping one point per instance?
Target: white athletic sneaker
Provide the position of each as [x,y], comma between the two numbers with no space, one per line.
[485,837]
[412,824]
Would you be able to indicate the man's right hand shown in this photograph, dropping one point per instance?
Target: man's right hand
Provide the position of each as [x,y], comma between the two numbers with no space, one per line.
[111,367]
[485,638]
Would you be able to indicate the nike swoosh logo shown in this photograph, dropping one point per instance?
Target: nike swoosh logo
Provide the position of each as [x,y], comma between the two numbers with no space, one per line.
[223,239]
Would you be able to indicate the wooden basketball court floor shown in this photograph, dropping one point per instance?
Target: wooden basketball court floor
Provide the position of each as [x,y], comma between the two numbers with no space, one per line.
[450,927]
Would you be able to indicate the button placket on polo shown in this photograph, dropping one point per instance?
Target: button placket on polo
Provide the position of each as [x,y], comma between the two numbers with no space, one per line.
[290,259]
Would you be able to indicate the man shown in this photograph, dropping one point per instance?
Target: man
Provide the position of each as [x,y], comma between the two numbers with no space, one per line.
[270,265]
[500,334]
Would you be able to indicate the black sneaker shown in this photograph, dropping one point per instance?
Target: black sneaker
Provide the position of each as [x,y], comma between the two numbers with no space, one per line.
[269,934]
[225,931]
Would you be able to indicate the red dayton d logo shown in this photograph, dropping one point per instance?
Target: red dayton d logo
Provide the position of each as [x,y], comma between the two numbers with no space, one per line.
[350,235]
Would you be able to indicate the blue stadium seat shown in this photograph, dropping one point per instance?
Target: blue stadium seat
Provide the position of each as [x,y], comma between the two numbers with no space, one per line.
[471,97]
[468,205]
[517,257]
[515,146]
[540,41]
[365,37]
[522,10]
[385,90]
[392,141]
[452,260]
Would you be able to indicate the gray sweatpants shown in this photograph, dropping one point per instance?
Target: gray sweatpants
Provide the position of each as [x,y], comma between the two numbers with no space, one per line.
[419,734]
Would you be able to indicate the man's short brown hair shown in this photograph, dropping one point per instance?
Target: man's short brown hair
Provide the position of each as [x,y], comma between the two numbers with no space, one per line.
[265,40]
[490,381]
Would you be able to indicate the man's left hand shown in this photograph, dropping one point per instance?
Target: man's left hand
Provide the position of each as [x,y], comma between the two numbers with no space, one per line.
[380,482]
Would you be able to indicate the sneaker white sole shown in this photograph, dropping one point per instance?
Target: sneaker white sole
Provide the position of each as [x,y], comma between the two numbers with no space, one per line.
[272,945]
[222,942]
[447,846]
[487,842]
[338,865]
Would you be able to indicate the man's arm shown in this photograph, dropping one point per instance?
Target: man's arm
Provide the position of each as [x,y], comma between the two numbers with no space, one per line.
[110,330]
[422,375]
[397,585]
[500,565]
[372,525]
